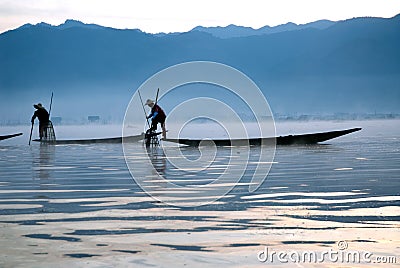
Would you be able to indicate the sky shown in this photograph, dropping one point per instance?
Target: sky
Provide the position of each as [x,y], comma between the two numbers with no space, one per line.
[154,16]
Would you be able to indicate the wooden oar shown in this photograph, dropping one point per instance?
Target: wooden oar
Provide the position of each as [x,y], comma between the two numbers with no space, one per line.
[51,102]
[145,115]
[157,95]
[30,136]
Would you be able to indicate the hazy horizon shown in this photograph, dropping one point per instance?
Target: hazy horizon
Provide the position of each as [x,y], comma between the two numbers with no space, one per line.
[173,16]
[60,24]
[96,72]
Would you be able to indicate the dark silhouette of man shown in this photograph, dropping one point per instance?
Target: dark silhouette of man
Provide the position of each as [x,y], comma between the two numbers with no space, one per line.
[43,117]
[157,115]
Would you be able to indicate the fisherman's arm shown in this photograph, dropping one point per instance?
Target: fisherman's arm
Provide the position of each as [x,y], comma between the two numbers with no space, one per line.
[154,115]
[33,117]
[154,112]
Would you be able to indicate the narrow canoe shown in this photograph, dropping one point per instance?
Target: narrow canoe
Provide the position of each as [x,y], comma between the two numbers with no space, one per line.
[312,138]
[90,141]
[9,136]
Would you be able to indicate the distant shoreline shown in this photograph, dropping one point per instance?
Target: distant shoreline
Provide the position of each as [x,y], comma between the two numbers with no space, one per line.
[277,118]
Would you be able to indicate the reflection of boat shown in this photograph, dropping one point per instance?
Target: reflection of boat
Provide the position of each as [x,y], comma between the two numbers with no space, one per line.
[9,136]
[89,141]
[282,140]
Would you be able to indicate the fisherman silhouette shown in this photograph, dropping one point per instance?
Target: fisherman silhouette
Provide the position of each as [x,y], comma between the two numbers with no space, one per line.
[157,115]
[43,116]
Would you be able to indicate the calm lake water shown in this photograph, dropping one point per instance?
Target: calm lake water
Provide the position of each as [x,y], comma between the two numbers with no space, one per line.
[78,204]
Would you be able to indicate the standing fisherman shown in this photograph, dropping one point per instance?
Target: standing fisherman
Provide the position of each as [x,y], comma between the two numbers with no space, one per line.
[43,117]
[157,115]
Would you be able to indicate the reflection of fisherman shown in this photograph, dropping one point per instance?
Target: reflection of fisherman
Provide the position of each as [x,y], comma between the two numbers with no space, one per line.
[43,117]
[157,115]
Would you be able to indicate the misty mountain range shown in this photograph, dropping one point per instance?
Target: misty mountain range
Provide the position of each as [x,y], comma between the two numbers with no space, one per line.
[240,31]
[321,68]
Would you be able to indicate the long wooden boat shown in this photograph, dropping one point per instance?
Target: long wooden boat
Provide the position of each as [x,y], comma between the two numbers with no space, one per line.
[303,139]
[90,141]
[312,138]
[9,136]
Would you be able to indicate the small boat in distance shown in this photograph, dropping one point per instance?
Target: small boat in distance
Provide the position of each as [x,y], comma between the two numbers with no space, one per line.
[9,136]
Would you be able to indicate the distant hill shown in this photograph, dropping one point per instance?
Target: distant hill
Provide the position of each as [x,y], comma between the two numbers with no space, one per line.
[66,25]
[241,31]
[321,67]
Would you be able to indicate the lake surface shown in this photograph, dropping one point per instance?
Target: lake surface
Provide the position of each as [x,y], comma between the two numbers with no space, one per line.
[76,205]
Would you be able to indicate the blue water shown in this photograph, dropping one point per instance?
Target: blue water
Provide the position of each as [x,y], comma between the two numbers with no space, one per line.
[84,195]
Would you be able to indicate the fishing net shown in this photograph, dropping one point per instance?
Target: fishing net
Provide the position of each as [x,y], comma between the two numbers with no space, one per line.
[49,135]
[151,138]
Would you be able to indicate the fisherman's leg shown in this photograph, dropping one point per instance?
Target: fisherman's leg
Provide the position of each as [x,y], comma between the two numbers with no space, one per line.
[41,129]
[45,130]
[164,130]
[153,125]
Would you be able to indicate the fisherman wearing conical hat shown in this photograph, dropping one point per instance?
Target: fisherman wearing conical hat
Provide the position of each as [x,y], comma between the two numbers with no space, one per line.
[157,115]
[43,117]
